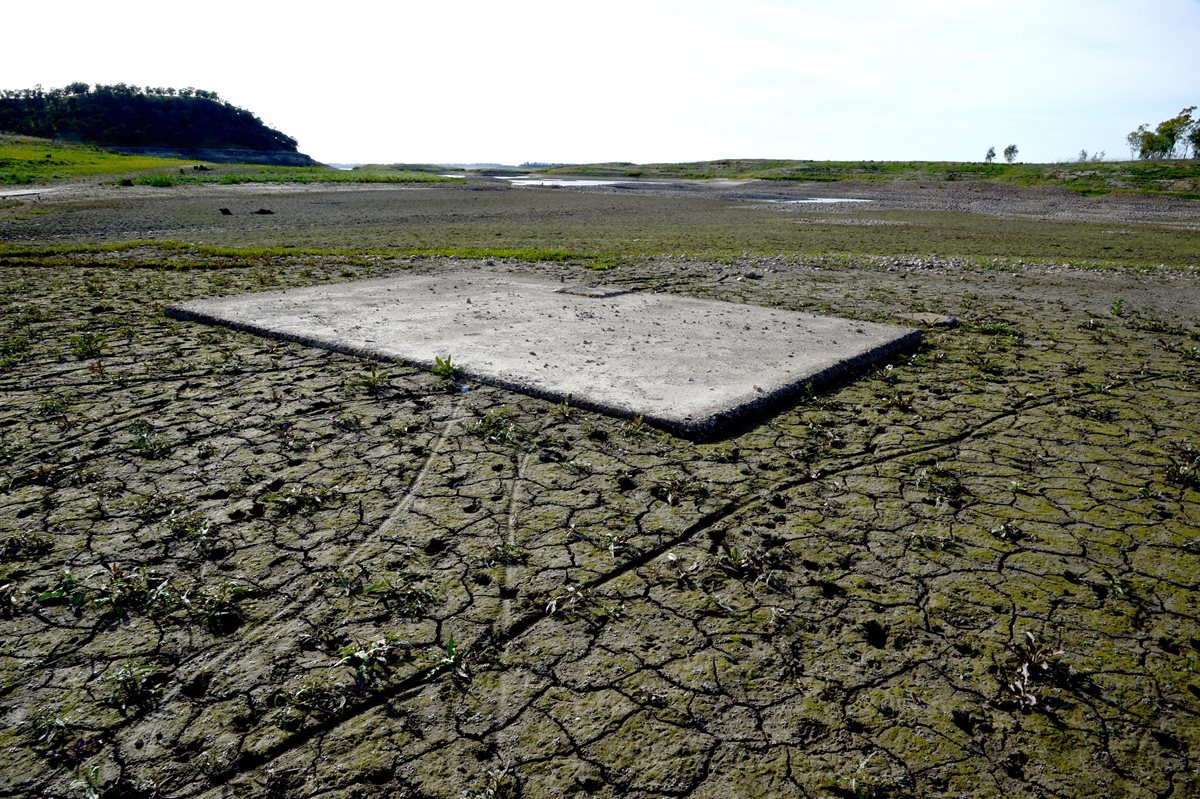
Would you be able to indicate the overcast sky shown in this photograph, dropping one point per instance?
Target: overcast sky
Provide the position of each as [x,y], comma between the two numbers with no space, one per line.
[649,80]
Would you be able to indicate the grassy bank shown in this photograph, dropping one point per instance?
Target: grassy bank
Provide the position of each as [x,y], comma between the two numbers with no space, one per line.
[235,174]
[1174,178]
[25,160]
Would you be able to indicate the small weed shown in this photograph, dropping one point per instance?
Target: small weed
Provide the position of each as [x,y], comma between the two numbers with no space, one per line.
[347,582]
[676,487]
[370,661]
[1008,532]
[292,440]
[984,362]
[1184,467]
[496,427]
[219,281]
[998,329]
[577,604]
[52,406]
[563,410]
[1117,308]
[454,661]
[445,368]
[22,545]
[403,429]
[265,277]
[93,786]
[187,525]
[12,351]
[616,545]
[752,564]
[15,345]
[12,600]
[195,527]
[152,447]
[1091,412]
[509,554]
[220,610]
[348,422]
[580,468]
[1031,662]
[135,686]
[400,596]
[636,428]
[683,574]
[155,506]
[67,591]
[934,543]
[943,485]
[863,784]
[140,591]
[60,741]
[88,344]
[296,498]
[725,454]
[499,784]
[312,696]
[371,382]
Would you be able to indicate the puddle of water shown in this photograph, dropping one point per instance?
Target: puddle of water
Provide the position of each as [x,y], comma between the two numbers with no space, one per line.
[532,181]
[812,200]
[24,192]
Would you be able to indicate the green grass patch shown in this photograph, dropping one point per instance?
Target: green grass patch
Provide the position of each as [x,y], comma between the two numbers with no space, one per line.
[238,174]
[51,254]
[25,160]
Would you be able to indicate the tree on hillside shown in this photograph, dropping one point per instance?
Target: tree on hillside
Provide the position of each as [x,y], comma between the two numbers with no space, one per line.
[1173,138]
[1010,153]
[991,155]
[132,116]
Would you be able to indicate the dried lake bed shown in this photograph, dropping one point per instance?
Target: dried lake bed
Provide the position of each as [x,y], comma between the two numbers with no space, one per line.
[235,566]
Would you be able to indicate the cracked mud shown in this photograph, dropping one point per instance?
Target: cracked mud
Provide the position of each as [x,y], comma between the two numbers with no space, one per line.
[238,567]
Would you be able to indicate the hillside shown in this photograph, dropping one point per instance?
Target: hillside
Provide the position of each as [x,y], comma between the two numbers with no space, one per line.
[151,120]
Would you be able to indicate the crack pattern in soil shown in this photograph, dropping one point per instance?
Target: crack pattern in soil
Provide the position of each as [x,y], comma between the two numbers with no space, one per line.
[239,567]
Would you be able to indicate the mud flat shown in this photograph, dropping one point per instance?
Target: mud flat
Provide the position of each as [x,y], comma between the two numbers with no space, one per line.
[238,566]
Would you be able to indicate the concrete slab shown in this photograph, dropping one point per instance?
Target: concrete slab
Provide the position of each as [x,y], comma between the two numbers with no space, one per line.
[685,364]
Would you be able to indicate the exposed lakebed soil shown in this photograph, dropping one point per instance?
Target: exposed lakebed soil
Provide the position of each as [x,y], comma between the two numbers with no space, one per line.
[239,567]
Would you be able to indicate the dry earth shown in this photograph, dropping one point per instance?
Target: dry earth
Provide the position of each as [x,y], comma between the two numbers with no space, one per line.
[236,567]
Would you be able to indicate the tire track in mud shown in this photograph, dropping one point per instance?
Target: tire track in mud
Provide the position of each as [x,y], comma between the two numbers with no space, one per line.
[731,510]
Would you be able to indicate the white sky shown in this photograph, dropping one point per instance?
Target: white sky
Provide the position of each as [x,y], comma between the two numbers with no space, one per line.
[649,80]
